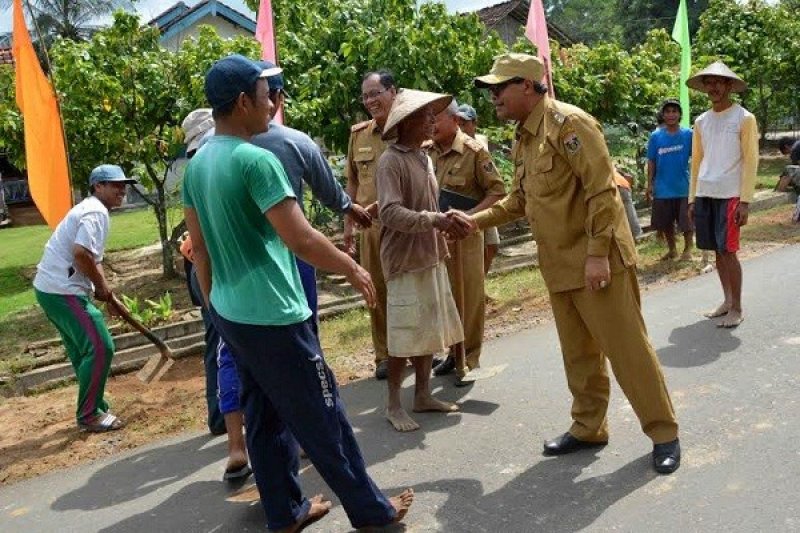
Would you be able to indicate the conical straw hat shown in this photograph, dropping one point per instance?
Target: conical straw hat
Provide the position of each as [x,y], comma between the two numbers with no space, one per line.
[407,102]
[717,68]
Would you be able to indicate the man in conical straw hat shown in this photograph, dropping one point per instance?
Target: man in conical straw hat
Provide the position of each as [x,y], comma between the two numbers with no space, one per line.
[724,165]
[421,315]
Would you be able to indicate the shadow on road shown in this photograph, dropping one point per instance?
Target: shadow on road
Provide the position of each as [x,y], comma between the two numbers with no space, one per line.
[697,344]
[546,497]
[141,474]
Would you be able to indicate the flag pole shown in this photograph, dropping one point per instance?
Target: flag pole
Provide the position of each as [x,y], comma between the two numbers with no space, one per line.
[58,99]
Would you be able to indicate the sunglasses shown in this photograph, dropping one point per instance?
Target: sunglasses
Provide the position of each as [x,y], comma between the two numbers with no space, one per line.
[496,90]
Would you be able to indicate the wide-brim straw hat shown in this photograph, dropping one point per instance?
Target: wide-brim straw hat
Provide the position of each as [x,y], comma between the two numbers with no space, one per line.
[720,69]
[407,102]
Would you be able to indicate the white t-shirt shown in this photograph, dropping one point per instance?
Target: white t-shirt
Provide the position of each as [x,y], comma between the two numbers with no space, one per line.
[86,224]
[725,154]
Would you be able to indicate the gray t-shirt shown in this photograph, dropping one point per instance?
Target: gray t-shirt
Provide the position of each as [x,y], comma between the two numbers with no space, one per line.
[794,153]
[86,224]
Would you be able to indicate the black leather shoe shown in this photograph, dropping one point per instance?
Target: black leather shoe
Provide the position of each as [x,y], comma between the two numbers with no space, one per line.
[436,361]
[566,443]
[667,457]
[382,369]
[445,367]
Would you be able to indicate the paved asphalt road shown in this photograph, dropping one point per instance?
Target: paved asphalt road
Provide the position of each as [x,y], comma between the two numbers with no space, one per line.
[736,393]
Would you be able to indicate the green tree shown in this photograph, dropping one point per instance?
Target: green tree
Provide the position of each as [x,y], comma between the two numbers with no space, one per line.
[638,17]
[586,21]
[325,46]
[11,134]
[124,97]
[759,42]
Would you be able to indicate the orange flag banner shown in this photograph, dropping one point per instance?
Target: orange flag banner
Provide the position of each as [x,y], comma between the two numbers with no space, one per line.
[45,153]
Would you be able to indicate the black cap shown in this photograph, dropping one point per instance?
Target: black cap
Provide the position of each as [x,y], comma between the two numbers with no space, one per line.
[671,102]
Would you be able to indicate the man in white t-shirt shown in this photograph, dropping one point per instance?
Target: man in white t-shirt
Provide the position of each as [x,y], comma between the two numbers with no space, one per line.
[70,270]
[724,165]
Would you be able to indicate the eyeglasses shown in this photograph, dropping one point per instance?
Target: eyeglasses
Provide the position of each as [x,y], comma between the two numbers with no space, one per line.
[372,95]
[496,90]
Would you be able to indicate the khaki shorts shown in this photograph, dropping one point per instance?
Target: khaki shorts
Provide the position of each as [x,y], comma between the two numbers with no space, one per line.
[421,315]
[491,236]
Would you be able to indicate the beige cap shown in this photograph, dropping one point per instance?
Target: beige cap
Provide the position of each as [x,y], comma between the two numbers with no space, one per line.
[409,101]
[509,66]
[195,125]
[718,68]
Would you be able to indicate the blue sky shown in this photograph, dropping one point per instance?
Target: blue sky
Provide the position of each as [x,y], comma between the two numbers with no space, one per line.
[148,9]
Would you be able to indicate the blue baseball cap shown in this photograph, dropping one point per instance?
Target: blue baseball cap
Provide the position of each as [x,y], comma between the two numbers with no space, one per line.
[106,173]
[231,76]
[467,112]
[275,81]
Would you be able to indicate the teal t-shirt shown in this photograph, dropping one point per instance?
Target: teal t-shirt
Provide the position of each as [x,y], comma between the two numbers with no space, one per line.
[231,184]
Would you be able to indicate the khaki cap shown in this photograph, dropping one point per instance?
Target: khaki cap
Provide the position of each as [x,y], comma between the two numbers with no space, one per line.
[407,102]
[509,66]
[718,68]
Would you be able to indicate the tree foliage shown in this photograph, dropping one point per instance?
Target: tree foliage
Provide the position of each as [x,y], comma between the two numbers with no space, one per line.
[325,47]
[759,42]
[638,17]
[123,98]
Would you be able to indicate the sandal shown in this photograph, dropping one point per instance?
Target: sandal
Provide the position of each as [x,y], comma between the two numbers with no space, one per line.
[237,473]
[102,423]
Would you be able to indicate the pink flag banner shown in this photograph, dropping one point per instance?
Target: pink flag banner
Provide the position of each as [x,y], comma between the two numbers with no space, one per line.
[536,32]
[265,34]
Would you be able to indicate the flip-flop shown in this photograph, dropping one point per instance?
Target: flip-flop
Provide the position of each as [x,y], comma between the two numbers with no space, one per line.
[102,423]
[237,473]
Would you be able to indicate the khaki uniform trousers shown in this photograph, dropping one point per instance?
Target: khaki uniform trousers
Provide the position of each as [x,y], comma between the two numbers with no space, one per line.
[469,295]
[370,250]
[607,324]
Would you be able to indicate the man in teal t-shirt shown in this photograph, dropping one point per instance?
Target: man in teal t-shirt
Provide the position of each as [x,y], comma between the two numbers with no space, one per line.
[245,225]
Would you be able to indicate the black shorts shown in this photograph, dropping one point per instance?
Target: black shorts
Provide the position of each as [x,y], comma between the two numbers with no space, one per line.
[669,211]
[715,219]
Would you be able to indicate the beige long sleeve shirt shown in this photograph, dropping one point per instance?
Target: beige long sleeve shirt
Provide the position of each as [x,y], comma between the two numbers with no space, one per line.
[564,184]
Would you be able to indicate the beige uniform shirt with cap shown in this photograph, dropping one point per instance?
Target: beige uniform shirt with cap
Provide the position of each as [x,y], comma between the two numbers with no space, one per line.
[564,185]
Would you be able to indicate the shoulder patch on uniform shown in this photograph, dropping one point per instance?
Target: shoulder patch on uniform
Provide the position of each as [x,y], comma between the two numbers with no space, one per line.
[488,166]
[360,126]
[473,144]
[572,143]
[558,117]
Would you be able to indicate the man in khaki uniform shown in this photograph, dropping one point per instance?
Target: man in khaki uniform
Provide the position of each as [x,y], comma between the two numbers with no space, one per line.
[465,167]
[564,185]
[365,149]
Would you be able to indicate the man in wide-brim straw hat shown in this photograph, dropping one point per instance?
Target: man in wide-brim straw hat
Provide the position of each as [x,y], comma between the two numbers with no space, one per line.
[564,184]
[421,316]
[724,166]
[723,177]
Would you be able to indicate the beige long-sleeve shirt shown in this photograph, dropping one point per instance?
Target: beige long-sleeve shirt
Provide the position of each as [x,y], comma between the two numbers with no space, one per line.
[564,184]
[408,201]
[724,155]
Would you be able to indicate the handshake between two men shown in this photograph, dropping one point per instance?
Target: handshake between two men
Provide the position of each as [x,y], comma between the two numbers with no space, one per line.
[456,225]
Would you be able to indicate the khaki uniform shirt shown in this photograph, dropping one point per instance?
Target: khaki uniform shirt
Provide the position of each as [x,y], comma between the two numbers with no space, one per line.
[408,198]
[363,152]
[467,168]
[564,185]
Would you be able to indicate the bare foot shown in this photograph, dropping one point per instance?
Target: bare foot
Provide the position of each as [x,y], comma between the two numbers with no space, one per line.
[426,404]
[731,320]
[318,509]
[719,311]
[669,256]
[686,255]
[400,420]
[401,503]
